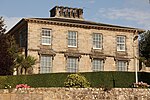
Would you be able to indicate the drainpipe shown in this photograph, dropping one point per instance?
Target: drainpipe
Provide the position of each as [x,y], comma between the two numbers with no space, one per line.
[135,58]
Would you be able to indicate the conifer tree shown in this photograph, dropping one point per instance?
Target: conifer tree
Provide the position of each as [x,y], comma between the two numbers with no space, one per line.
[6,49]
[2,26]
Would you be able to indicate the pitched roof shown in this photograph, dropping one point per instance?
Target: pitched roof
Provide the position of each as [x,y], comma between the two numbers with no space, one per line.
[85,22]
[79,22]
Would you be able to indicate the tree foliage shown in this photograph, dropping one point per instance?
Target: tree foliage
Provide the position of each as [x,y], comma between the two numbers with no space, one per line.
[76,81]
[144,45]
[10,56]
[23,63]
[6,48]
[2,26]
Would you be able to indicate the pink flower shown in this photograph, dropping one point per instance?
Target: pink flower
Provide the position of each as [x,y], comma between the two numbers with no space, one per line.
[22,86]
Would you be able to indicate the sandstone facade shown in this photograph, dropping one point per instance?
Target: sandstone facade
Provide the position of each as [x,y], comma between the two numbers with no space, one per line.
[84,50]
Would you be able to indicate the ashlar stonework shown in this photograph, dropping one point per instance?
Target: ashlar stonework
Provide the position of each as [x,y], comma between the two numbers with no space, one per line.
[28,33]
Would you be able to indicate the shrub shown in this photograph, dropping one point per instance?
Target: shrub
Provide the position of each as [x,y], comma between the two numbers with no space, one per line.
[76,81]
[141,85]
[7,86]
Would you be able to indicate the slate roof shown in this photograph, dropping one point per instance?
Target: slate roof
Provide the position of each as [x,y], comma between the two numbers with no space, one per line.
[84,22]
[77,22]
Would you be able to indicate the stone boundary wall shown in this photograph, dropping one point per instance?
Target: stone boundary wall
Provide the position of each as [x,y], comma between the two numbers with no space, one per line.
[75,94]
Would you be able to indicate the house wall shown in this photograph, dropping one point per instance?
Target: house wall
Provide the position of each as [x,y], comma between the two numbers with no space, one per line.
[59,46]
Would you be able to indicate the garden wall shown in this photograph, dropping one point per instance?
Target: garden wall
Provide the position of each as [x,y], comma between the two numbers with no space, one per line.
[75,94]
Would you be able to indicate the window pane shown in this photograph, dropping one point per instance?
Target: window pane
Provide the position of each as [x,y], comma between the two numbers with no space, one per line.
[98,65]
[122,65]
[45,64]
[120,43]
[72,38]
[97,40]
[72,65]
[46,36]
[21,40]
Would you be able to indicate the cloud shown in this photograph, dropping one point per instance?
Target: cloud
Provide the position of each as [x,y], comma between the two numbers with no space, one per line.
[10,21]
[92,1]
[138,16]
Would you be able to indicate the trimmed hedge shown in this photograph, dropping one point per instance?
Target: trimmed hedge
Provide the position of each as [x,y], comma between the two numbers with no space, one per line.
[97,79]
[37,80]
[111,79]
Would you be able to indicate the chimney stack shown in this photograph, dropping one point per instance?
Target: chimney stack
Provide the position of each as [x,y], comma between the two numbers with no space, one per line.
[66,12]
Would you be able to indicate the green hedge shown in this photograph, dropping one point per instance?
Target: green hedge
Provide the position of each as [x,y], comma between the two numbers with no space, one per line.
[36,80]
[144,76]
[110,79]
[97,79]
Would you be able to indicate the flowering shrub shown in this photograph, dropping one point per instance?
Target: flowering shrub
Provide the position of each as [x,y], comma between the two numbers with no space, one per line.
[76,81]
[22,86]
[141,85]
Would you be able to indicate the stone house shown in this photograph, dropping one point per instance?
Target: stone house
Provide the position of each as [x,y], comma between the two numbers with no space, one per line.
[66,42]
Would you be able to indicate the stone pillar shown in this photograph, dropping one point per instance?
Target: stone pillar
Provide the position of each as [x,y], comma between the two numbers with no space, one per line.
[61,11]
[80,13]
[57,11]
[71,13]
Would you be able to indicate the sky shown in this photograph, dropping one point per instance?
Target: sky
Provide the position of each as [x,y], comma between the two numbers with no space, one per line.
[132,13]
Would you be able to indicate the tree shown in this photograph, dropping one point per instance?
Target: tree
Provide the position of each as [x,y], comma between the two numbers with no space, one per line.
[2,26]
[7,50]
[24,63]
[144,49]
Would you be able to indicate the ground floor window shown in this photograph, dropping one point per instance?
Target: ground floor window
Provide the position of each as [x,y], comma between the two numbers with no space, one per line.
[121,65]
[72,64]
[45,64]
[97,65]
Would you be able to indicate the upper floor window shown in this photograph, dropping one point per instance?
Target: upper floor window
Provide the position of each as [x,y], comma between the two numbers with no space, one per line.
[46,37]
[21,39]
[72,64]
[121,65]
[97,65]
[72,39]
[120,43]
[45,64]
[97,41]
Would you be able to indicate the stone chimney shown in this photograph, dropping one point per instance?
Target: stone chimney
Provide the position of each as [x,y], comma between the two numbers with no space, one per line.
[66,12]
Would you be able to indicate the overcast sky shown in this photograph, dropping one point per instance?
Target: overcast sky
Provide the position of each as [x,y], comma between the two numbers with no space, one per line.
[133,13]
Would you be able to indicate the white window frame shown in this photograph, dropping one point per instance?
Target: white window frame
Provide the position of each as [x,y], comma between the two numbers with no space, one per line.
[95,41]
[72,64]
[122,65]
[48,37]
[119,43]
[97,65]
[72,39]
[47,64]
